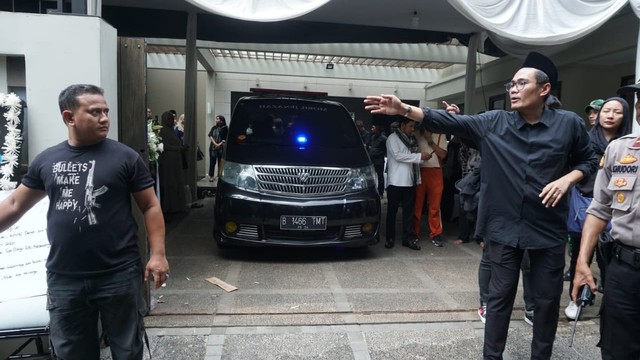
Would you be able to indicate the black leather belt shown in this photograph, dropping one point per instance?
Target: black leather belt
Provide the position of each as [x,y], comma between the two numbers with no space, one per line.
[627,254]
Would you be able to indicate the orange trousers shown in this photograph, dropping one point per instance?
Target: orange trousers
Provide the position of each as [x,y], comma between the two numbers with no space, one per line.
[430,188]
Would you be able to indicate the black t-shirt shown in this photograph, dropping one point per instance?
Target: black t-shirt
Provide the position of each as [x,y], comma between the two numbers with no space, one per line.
[89,222]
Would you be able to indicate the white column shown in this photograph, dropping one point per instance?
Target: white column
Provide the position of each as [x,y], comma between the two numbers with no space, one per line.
[470,79]
[3,74]
[94,7]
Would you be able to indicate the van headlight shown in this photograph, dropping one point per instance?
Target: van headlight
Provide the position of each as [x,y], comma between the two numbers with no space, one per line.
[240,175]
[361,178]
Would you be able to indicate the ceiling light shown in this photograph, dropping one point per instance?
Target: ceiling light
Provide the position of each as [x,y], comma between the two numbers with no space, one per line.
[415,20]
[329,66]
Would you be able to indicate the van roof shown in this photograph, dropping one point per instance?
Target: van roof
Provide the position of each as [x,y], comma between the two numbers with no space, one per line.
[297,93]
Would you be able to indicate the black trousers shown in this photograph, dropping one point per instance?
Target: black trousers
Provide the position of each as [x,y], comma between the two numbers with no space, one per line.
[484,278]
[213,158]
[397,196]
[547,266]
[620,313]
[575,249]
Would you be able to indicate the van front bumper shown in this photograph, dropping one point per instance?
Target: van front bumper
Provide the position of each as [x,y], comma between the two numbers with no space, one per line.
[252,219]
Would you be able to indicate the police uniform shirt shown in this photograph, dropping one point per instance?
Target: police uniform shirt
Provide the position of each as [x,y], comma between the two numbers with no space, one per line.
[518,160]
[616,195]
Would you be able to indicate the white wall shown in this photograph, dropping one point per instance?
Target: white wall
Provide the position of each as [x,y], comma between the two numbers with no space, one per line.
[3,74]
[60,50]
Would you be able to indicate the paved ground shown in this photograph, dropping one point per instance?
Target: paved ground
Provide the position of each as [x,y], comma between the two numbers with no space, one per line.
[330,303]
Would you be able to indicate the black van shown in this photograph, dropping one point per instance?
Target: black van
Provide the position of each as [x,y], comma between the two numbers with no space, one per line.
[296,173]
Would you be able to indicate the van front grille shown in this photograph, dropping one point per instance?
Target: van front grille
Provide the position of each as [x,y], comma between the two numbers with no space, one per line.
[352,231]
[302,180]
[330,234]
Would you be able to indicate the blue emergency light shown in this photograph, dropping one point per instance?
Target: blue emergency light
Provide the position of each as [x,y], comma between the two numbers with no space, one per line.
[301,139]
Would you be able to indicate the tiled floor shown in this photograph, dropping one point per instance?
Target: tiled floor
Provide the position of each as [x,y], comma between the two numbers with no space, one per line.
[330,303]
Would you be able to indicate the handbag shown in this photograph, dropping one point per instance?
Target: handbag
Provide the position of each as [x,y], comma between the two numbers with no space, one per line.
[578,205]
[199,153]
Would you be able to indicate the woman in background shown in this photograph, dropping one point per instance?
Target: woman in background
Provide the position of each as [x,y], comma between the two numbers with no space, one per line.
[613,121]
[179,128]
[217,138]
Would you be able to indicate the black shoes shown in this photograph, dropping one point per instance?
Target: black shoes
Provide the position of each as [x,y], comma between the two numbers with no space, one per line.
[437,241]
[389,243]
[411,244]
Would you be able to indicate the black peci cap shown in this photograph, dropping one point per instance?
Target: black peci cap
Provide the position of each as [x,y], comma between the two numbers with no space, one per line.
[538,61]
[629,88]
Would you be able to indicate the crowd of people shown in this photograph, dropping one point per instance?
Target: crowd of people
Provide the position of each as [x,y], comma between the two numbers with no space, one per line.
[533,180]
[539,166]
[414,178]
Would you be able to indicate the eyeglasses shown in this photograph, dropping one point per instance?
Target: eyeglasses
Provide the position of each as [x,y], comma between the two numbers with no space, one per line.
[519,85]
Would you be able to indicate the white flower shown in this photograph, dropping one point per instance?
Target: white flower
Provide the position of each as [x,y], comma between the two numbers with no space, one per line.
[12,140]
[6,184]
[154,141]
[5,169]
[10,158]
[13,102]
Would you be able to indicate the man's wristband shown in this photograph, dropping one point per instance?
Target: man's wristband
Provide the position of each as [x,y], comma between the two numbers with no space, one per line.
[406,114]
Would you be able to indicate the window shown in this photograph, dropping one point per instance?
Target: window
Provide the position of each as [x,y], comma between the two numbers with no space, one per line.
[498,102]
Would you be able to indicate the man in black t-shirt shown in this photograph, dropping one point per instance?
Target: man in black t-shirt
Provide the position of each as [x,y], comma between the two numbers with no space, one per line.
[93,268]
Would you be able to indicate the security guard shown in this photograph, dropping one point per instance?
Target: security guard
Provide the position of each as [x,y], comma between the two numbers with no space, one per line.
[616,197]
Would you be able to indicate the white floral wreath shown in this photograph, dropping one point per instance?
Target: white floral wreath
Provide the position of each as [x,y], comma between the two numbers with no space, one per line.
[154,141]
[12,140]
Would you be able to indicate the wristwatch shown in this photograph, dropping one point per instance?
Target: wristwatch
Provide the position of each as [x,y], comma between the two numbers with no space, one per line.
[406,114]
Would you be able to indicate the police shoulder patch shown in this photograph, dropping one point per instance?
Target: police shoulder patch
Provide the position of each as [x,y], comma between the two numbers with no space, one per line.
[628,159]
[620,182]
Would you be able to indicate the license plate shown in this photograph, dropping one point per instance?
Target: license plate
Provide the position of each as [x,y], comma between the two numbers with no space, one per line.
[290,222]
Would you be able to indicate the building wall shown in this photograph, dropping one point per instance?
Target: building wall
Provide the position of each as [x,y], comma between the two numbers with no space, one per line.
[165,90]
[580,84]
[56,55]
[592,68]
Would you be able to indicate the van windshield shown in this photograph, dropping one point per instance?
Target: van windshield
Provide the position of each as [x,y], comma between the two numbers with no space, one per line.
[293,122]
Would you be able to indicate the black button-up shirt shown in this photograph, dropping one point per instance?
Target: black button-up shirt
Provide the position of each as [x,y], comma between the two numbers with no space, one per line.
[518,160]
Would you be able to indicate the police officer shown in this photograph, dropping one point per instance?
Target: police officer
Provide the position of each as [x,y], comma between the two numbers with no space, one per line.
[616,198]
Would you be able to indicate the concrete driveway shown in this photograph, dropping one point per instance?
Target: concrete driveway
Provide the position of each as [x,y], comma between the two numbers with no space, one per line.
[331,303]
